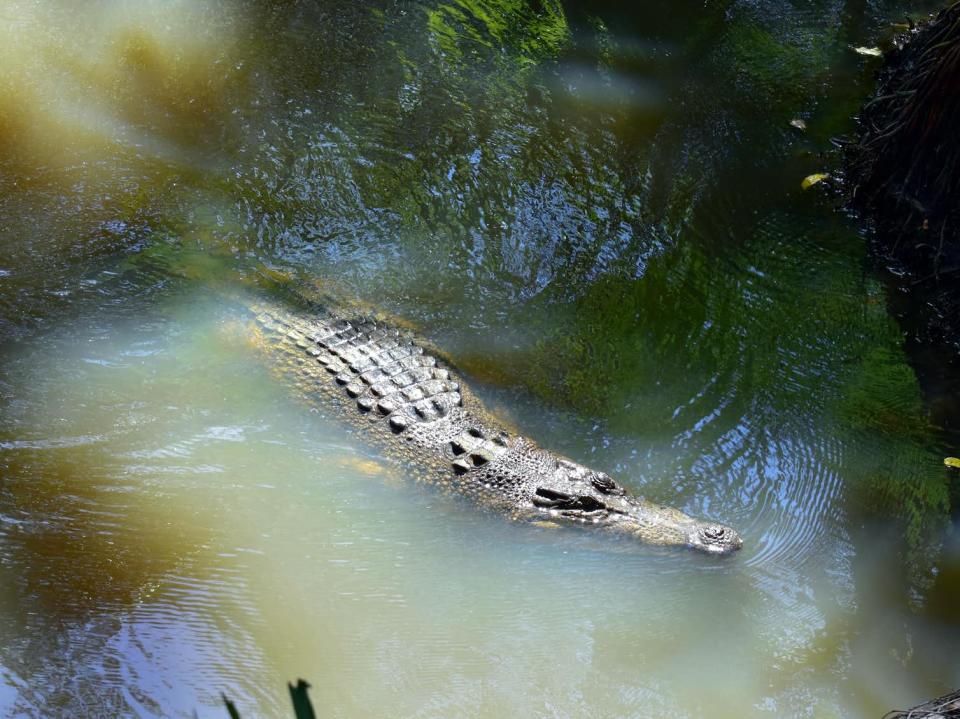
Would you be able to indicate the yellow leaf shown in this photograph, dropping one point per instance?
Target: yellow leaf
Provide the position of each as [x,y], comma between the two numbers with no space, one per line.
[811,180]
[798,123]
[952,462]
[870,51]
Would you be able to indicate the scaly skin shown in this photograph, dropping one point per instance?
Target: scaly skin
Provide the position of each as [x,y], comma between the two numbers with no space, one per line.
[409,402]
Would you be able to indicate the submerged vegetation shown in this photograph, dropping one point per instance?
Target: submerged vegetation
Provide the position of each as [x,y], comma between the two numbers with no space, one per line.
[302,706]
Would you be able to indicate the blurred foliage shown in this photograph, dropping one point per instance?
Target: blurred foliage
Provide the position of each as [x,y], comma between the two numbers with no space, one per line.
[480,29]
[883,407]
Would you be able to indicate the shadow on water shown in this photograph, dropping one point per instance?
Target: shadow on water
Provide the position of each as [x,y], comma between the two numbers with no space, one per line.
[597,215]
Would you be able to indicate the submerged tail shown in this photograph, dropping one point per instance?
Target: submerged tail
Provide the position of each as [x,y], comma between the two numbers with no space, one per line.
[160,264]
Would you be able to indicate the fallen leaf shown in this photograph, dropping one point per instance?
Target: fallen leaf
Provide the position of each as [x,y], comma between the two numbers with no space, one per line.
[798,123]
[811,180]
[870,51]
[952,462]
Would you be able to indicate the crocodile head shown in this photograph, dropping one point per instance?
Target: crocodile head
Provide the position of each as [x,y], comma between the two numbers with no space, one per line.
[576,493]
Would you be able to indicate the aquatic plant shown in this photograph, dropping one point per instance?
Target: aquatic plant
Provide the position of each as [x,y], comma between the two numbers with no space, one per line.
[302,707]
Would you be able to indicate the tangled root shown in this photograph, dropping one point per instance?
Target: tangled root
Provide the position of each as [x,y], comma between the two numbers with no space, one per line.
[904,168]
[946,707]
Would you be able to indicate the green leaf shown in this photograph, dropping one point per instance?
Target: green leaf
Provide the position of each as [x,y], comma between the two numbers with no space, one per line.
[952,462]
[869,51]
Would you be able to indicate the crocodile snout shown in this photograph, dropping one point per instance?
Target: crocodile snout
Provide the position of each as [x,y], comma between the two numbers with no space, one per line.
[715,539]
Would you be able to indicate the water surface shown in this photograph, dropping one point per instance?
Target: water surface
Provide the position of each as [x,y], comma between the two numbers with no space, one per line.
[598,216]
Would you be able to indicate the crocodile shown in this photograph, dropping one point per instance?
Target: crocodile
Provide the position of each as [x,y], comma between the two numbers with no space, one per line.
[412,403]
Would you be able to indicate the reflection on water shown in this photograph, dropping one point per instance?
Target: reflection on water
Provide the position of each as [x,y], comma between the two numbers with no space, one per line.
[597,217]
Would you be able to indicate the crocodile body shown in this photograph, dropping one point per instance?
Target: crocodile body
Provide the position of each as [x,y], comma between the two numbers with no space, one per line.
[414,406]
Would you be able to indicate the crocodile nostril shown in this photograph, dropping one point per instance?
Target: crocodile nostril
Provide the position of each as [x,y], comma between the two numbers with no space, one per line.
[715,533]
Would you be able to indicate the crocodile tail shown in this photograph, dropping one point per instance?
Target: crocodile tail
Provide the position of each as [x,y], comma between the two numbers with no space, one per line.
[163,262]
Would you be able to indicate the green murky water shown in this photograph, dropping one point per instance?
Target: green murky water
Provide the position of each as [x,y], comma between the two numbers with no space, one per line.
[598,216]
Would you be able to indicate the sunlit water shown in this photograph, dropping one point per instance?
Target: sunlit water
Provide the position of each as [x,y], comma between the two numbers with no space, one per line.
[599,219]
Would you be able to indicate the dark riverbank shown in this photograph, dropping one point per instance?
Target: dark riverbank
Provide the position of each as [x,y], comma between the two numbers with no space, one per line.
[903,175]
